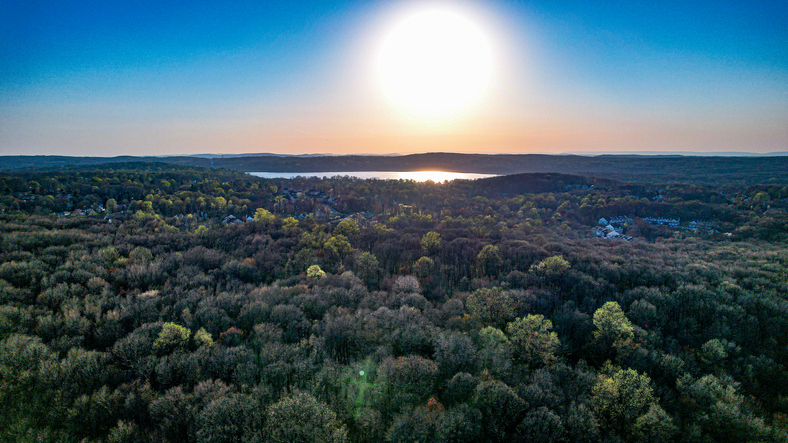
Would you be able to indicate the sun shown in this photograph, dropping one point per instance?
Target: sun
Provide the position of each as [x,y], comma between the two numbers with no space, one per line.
[435,66]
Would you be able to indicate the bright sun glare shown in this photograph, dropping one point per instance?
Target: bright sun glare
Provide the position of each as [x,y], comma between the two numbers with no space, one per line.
[435,66]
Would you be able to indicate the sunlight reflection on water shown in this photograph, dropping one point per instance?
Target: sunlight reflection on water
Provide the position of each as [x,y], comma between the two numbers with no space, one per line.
[419,176]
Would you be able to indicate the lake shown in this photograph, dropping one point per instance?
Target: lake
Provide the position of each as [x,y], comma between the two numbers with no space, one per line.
[419,176]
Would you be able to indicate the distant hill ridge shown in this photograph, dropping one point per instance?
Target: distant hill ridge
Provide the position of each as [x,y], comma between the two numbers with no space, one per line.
[630,168]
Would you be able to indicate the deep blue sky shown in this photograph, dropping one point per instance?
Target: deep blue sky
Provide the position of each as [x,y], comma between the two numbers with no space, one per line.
[153,77]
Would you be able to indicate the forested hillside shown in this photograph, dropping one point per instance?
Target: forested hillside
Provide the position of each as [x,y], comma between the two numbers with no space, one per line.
[147,302]
[738,171]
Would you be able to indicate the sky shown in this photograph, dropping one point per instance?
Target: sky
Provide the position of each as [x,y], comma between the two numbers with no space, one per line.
[104,78]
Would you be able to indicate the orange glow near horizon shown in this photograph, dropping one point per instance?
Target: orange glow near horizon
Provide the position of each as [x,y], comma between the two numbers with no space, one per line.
[398,78]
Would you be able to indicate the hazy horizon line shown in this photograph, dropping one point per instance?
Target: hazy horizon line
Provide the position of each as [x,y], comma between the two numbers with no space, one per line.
[394,154]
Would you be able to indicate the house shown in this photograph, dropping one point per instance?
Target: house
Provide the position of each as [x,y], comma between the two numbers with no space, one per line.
[661,221]
[610,232]
[327,212]
[620,220]
[315,193]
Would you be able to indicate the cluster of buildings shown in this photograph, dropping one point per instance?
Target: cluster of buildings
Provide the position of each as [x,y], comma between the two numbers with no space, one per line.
[320,206]
[26,196]
[363,219]
[622,220]
[77,213]
[323,211]
[89,212]
[613,228]
[294,195]
[231,219]
[662,221]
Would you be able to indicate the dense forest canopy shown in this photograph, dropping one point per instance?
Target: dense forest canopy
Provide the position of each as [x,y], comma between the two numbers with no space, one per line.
[152,302]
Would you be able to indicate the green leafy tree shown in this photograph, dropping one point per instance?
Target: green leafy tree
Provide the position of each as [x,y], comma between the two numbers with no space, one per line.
[720,410]
[125,432]
[223,419]
[488,260]
[712,353]
[612,326]
[423,267]
[620,397]
[368,268]
[552,266]
[141,253]
[290,223]
[264,217]
[338,247]
[203,338]
[314,271]
[533,341]
[109,254]
[460,388]
[23,360]
[300,418]
[459,425]
[147,207]
[431,242]
[540,425]
[495,351]
[655,426]
[501,408]
[347,228]
[220,203]
[761,197]
[173,411]
[172,337]
[412,376]
[454,352]
[490,306]
[418,424]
